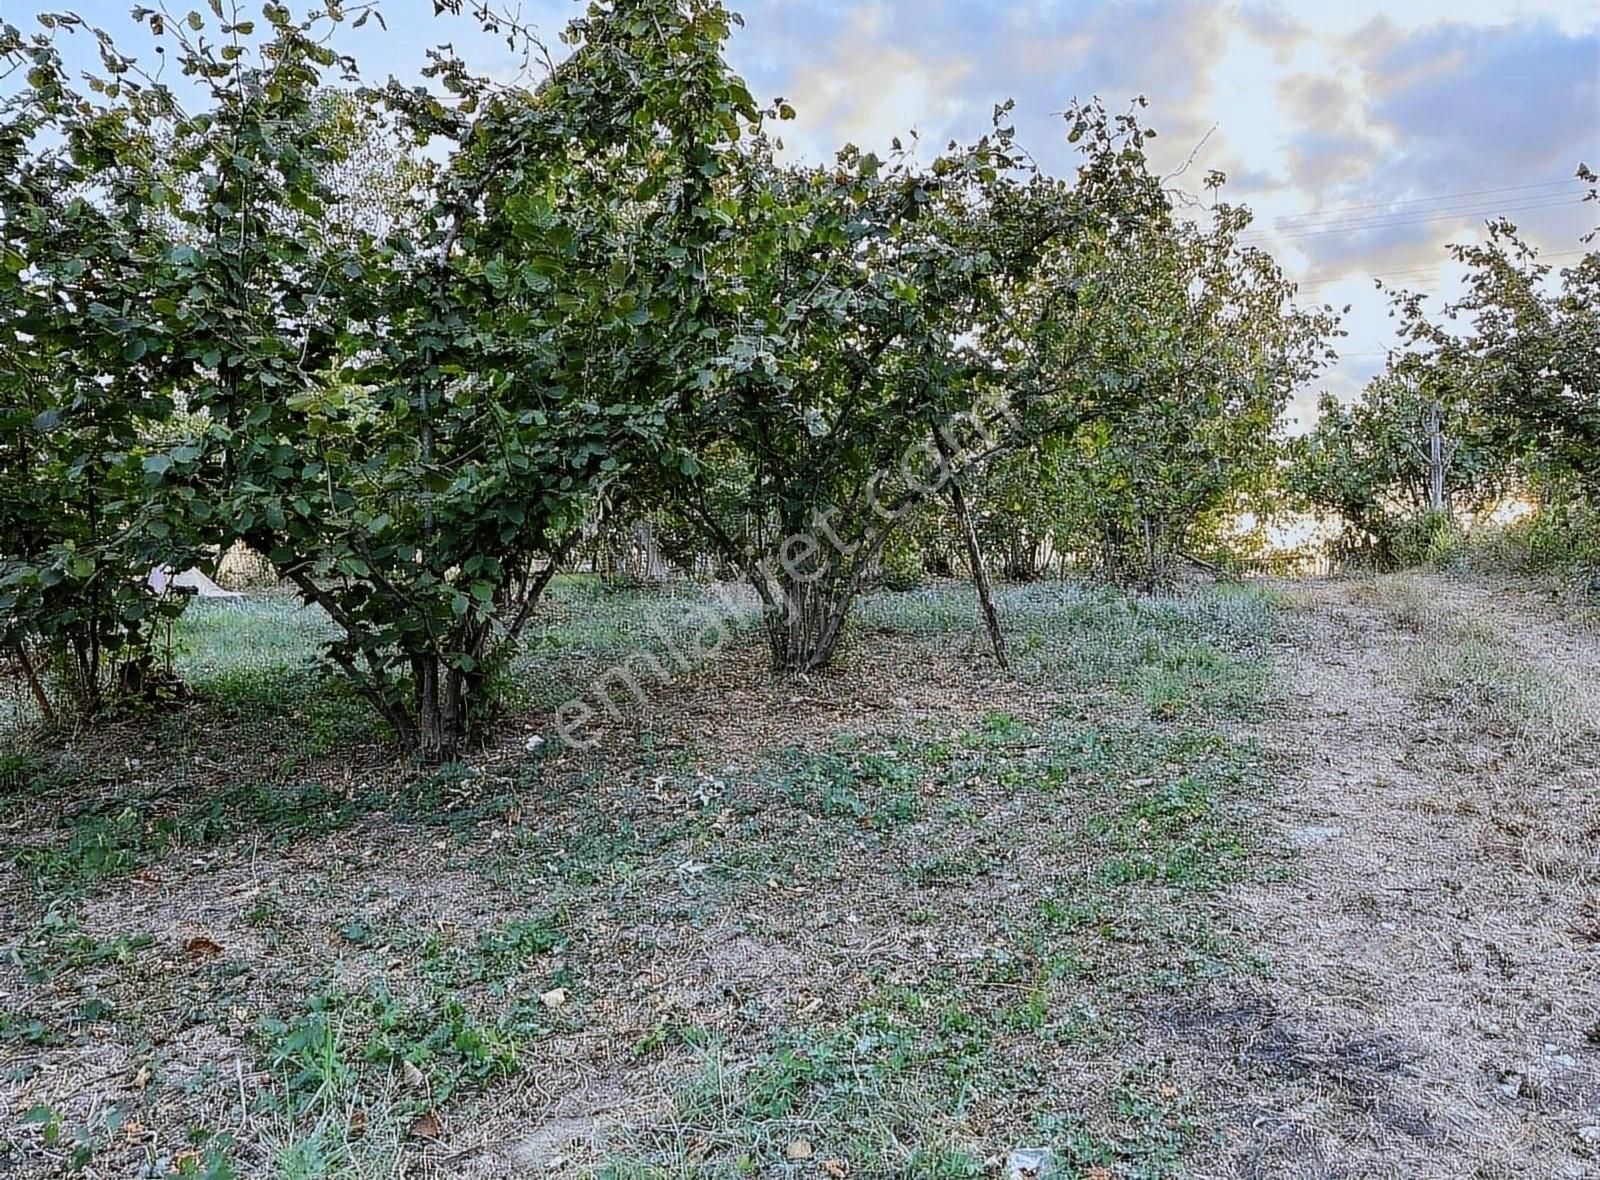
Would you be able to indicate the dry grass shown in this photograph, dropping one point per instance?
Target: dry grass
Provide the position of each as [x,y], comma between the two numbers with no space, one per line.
[1455,808]
[1469,669]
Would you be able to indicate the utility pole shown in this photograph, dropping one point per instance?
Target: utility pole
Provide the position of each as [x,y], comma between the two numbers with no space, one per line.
[1436,456]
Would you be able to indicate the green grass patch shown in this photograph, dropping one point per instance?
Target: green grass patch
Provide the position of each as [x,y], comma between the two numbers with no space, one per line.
[110,840]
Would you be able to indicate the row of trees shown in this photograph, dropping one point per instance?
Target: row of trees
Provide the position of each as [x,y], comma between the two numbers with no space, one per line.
[413,344]
[1206,335]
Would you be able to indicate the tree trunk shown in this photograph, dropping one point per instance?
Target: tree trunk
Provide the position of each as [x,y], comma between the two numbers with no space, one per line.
[980,575]
[441,713]
[36,686]
[805,624]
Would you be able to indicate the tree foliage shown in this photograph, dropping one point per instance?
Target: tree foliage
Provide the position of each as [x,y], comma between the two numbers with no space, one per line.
[1176,373]
[1499,393]
[86,410]
[866,306]
[412,343]
[411,410]
[1405,460]
[1533,347]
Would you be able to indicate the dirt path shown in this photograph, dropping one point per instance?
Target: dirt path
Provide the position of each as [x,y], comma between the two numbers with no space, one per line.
[1434,1002]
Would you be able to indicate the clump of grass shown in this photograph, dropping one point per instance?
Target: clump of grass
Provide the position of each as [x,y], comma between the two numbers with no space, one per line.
[132,833]
[19,769]
[261,635]
[352,1074]
[875,786]
[1190,678]
[893,1090]
[589,628]
[58,948]
[1469,671]
[260,661]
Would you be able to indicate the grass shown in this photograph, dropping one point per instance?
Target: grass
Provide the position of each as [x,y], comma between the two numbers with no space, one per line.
[1469,672]
[899,946]
[106,840]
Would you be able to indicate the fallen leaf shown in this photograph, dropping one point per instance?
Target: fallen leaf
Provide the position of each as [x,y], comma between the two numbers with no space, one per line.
[838,1169]
[1098,1173]
[799,1150]
[358,1123]
[201,947]
[413,1077]
[427,1126]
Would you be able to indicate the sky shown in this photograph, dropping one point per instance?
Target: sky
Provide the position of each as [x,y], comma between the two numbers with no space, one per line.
[1366,136]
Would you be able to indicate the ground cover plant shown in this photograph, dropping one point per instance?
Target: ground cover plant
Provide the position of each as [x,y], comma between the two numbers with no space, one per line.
[894,920]
[423,946]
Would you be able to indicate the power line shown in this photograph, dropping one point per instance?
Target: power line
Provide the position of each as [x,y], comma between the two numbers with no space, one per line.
[1335,210]
[1417,214]
[1417,270]
[1403,222]
[1363,274]
[1420,218]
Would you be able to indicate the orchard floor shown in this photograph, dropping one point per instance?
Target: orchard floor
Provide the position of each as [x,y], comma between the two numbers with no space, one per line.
[1292,881]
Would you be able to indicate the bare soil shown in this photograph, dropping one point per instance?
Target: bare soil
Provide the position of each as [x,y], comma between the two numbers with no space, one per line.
[1433,1002]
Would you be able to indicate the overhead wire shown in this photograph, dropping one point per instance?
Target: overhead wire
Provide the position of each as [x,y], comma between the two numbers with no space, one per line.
[1374,224]
[1411,272]
[1336,210]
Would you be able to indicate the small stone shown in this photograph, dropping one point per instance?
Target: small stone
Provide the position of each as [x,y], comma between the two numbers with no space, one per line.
[799,1150]
[554,998]
[1030,1163]
[533,743]
[1589,1136]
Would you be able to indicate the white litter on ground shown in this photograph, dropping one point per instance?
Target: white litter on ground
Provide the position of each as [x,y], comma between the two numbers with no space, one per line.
[162,580]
